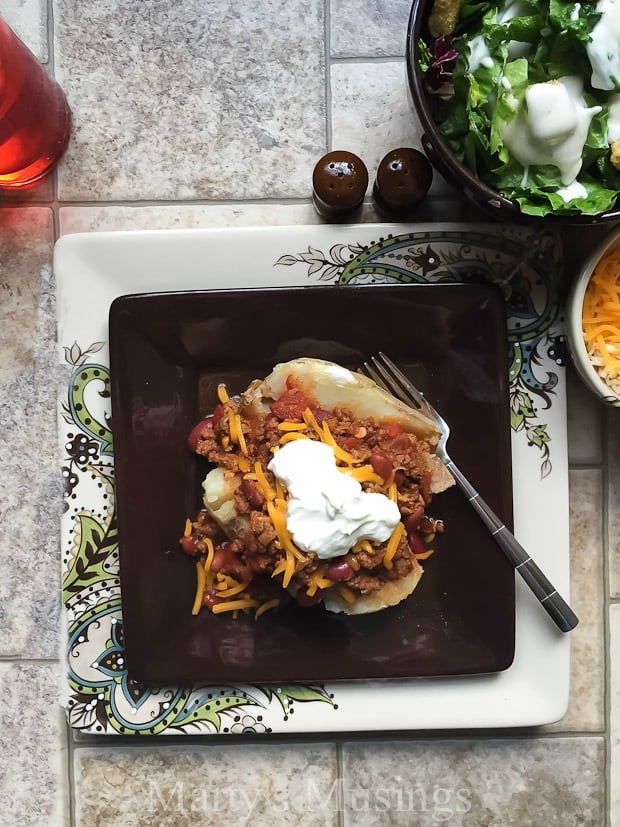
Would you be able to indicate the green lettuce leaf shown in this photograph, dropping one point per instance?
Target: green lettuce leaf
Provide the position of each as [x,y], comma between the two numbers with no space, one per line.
[553,34]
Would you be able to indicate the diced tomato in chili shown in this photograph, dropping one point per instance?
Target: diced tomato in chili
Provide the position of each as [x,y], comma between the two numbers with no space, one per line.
[392,429]
[291,405]
[350,442]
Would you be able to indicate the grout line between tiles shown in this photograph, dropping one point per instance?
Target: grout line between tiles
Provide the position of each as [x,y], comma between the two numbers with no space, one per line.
[368,59]
[28,661]
[70,774]
[328,77]
[606,603]
[339,784]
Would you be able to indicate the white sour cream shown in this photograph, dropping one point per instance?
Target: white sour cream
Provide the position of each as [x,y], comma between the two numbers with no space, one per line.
[604,47]
[552,127]
[328,512]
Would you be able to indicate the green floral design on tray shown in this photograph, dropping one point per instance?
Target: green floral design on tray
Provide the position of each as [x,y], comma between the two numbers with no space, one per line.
[102,697]
[525,269]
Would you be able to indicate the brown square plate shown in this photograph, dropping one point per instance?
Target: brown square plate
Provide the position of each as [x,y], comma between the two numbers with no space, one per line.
[168,352]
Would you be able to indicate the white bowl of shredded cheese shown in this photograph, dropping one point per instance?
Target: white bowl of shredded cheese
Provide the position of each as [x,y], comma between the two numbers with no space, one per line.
[593,320]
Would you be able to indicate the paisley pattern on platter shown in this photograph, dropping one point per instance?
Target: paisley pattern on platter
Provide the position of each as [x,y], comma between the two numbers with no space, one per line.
[102,697]
[526,267]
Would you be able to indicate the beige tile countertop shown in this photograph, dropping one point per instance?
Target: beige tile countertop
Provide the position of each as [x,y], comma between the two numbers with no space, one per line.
[204,114]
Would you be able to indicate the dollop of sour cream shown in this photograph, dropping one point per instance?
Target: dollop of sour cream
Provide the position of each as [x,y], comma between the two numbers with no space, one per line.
[552,127]
[328,512]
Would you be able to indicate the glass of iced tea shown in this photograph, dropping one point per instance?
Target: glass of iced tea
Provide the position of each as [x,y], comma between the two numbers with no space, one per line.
[35,119]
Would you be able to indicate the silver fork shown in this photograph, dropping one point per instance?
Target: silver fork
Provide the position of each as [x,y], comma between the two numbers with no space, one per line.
[385,373]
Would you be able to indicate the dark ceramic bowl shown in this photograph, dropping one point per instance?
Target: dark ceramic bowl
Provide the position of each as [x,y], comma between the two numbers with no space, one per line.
[441,157]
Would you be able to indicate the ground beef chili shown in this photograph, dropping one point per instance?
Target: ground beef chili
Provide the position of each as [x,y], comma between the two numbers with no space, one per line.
[256,559]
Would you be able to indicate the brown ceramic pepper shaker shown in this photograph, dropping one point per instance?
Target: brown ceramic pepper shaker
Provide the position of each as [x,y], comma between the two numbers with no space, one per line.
[404,176]
[339,184]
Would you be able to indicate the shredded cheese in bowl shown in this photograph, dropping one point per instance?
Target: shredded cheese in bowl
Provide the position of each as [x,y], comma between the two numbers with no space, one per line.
[601,320]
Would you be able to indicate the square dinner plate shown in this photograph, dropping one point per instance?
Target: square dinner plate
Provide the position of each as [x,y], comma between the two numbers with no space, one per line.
[92,270]
[168,352]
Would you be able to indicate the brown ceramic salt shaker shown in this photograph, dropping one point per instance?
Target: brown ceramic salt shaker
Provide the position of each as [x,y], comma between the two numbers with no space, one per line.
[339,183]
[404,176]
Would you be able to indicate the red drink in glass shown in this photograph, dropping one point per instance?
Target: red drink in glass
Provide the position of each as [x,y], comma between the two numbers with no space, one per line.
[35,120]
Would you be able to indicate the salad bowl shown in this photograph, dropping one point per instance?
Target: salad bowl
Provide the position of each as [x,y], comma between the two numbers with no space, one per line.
[434,106]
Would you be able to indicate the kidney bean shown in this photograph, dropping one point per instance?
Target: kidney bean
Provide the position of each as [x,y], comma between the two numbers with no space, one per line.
[197,431]
[401,443]
[339,570]
[226,561]
[416,543]
[399,478]
[381,464]
[210,598]
[412,522]
[252,494]
[305,600]
[188,544]
[320,415]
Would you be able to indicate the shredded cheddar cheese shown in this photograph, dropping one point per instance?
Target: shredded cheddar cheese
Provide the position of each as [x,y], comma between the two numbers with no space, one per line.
[232,605]
[424,555]
[290,436]
[392,545]
[339,452]
[279,567]
[393,492]
[264,607]
[363,473]
[209,560]
[277,515]
[347,594]
[263,485]
[222,393]
[318,581]
[232,590]
[310,420]
[244,465]
[601,319]
[188,528]
[292,426]
[200,588]
[240,435]
[353,562]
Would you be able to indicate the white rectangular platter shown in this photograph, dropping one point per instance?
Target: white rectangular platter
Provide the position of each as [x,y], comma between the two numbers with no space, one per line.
[92,269]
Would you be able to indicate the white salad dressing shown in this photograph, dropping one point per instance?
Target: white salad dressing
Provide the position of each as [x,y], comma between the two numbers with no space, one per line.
[479,54]
[574,190]
[552,127]
[574,15]
[328,512]
[613,119]
[604,47]
[513,8]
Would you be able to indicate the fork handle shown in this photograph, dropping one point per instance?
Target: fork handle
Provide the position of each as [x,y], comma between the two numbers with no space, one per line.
[561,613]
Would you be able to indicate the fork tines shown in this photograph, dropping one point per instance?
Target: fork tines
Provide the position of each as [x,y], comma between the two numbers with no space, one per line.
[385,373]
